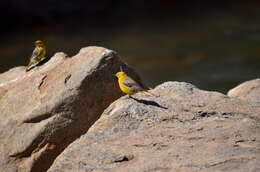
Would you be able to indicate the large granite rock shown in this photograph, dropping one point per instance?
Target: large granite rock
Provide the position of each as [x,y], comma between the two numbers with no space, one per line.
[45,109]
[248,91]
[181,129]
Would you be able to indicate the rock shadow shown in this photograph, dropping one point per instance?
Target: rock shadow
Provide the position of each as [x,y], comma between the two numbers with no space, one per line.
[148,102]
[45,60]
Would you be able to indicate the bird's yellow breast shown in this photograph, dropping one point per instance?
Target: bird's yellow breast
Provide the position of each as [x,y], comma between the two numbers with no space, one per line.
[42,52]
[123,87]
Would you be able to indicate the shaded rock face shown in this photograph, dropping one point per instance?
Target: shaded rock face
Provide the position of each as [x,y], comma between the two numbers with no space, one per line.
[181,129]
[45,109]
[249,91]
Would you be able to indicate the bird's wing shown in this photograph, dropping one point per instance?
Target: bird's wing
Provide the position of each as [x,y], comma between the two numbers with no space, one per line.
[35,53]
[129,82]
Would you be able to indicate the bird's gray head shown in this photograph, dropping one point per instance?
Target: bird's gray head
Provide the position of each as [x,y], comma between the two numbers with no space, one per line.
[38,43]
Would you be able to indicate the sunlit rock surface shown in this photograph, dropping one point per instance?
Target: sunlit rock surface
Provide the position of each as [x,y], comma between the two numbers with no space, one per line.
[249,91]
[45,109]
[181,129]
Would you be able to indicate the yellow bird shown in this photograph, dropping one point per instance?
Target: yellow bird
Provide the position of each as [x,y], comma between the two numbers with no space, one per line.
[38,54]
[128,85]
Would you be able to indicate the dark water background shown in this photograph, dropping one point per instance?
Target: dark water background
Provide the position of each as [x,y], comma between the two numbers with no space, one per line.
[213,48]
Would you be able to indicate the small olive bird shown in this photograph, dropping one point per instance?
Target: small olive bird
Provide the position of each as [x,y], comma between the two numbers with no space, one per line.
[128,85]
[38,54]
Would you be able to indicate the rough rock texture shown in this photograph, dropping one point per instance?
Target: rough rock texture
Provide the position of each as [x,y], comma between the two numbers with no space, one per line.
[182,129]
[249,91]
[45,109]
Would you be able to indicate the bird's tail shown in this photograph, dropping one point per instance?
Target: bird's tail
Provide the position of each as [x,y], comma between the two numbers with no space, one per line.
[30,65]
